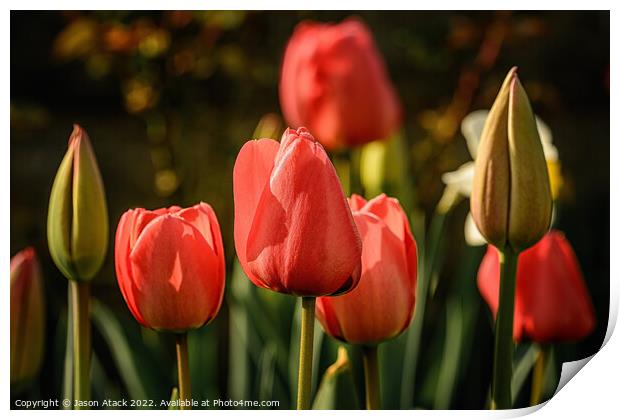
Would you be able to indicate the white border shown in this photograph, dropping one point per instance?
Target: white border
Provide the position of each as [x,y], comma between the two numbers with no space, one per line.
[594,393]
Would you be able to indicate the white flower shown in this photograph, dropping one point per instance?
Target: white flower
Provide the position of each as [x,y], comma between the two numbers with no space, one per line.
[461,180]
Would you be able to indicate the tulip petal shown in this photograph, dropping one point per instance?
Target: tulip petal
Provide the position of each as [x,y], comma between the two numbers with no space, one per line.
[356,202]
[381,306]
[89,233]
[303,235]
[530,192]
[389,210]
[203,218]
[555,301]
[250,177]
[122,249]
[59,217]
[173,271]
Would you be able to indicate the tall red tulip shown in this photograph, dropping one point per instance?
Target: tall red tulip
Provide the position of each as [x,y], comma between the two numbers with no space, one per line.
[294,232]
[27,316]
[552,301]
[381,306]
[170,266]
[334,81]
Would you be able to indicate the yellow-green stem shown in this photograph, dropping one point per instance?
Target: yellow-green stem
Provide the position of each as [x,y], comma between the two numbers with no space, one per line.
[538,375]
[80,305]
[304,383]
[371,376]
[185,384]
[502,363]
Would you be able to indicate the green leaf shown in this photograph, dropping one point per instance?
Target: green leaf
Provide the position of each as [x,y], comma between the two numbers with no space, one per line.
[174,396]
[522,367]
[337,388]
[112,332]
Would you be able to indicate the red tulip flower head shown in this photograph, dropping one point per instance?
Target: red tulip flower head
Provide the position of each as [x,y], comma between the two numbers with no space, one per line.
[294,232]
[27,316]
[552,301]
[334,81]
[170,266]
[381,306]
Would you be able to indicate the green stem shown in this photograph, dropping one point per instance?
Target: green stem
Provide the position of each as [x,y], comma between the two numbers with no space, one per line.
[502,363]
[80,305]
[304,383]
[185,384]
[538,376]
[371,376]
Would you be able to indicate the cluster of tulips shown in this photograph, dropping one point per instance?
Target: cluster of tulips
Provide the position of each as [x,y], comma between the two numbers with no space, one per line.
[353,262]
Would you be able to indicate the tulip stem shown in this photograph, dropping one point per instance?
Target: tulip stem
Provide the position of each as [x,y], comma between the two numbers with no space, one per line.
[502,362]
[371,376]
[304,383]
[538,376]
[185,384]
[80,305]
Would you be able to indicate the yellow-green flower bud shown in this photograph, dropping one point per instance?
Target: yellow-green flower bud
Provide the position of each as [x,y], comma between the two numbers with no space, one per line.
[27,316]
[511,198]
[77,221]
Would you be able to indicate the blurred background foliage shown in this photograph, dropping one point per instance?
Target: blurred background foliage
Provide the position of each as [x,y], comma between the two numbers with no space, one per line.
[168,98]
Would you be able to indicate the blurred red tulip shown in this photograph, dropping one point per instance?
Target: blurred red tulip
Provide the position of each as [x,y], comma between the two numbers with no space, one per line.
[294,232]
[170,266]
[552,301]
[27,315]
[334,82]
[381,306]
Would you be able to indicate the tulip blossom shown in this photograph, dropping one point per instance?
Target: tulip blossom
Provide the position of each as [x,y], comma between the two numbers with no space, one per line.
[461,180]
[334,81]
[294,232]
[27,316]
[511,195]
[382,304]
[552,301]
[77,221]
[170,266]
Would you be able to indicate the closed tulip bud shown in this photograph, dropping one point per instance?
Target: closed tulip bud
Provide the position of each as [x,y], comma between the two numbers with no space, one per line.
[77,221]
[170,266]
[294,232]
[27,316]
[552,301]
[381,306]
[334,82]
[511,198]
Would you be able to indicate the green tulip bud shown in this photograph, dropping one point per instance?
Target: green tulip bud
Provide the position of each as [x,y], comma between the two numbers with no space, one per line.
[77,221]
[511,198]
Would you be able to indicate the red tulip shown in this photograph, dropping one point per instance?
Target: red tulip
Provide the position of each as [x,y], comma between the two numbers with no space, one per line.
[334,82]
[170,266]
[294,232]
[27,315]
[381,306]
[552,301]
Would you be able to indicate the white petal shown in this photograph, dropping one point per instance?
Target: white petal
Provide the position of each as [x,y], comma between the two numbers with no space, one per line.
[544,132]
[472,235]
[471,128]
[462,179]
